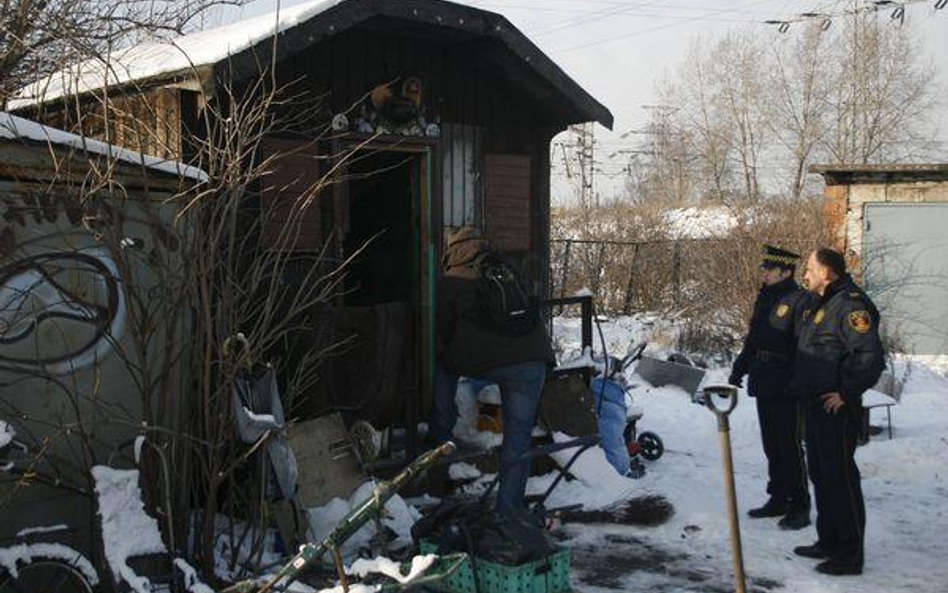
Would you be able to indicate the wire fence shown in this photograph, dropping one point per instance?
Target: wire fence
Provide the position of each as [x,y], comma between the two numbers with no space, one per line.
[713,279]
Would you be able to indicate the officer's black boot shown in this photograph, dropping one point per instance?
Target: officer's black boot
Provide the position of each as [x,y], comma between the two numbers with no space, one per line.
[816,551]
[772,508]
[797,517]
[838,566]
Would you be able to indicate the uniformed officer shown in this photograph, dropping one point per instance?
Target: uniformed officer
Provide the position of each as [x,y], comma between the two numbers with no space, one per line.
[839,356]
[767,357]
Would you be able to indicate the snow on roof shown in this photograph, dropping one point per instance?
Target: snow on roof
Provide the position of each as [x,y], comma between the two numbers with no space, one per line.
[15,128]
[168,56]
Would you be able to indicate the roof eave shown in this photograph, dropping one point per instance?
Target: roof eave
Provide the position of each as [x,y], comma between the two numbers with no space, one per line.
[439,13]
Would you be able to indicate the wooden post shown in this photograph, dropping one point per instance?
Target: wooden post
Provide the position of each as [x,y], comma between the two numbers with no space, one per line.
[599,266]
[627,302]
[565,279]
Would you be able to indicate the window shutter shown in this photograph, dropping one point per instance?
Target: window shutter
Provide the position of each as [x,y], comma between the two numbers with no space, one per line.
[507,201]
[284,193]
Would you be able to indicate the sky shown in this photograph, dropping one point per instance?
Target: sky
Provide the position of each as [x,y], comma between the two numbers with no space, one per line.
[618,49]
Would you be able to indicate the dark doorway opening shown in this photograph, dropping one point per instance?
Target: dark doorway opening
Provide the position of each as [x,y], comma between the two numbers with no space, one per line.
[382,224]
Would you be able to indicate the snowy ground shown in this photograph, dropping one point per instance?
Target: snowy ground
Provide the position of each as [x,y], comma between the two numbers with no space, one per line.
[904,481]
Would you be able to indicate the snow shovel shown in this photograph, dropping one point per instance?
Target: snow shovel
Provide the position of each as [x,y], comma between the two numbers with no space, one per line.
[727,395]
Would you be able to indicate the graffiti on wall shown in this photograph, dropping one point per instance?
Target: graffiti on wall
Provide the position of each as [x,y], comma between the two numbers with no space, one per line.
[59,311]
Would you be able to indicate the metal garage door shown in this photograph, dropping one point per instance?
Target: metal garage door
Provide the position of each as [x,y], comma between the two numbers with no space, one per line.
[906,271]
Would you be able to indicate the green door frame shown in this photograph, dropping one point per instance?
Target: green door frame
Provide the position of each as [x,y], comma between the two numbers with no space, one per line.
[422,149]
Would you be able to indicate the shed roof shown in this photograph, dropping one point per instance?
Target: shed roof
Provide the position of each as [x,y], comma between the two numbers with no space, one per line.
[298,27]
[21,129]
[844,174]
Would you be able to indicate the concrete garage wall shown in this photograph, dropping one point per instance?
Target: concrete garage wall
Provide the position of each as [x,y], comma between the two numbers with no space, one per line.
[860,195]
[891,221]
[70,368]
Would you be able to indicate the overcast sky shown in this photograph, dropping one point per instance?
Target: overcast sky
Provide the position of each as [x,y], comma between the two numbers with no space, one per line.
[617,49]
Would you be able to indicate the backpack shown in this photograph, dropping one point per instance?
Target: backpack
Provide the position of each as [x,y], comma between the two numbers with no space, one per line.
[502,305]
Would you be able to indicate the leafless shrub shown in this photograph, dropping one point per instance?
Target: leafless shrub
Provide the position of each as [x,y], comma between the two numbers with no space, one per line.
[709,283]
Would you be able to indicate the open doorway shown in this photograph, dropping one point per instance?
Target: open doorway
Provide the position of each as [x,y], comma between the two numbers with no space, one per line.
[382,217]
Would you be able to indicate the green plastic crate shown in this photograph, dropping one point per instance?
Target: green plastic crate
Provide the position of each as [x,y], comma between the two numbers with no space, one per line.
[548,575]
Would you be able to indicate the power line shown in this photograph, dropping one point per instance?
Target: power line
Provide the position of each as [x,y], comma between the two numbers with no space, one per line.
[825,17]
[703,16]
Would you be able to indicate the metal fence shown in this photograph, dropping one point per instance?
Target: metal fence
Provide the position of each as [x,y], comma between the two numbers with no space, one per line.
[701,277]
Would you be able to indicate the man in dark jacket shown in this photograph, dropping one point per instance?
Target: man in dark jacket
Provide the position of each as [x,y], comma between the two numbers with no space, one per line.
[767,357]
[516,361]
[839,356]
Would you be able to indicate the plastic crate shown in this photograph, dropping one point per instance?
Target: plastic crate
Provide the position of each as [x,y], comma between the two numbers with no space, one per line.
[547,575]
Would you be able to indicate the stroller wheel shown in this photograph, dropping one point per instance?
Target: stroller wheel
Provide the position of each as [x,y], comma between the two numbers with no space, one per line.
[651,445]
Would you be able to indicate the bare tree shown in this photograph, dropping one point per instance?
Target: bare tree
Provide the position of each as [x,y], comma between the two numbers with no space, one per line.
[798,80]
[756,111]
[41,37]
[879,96]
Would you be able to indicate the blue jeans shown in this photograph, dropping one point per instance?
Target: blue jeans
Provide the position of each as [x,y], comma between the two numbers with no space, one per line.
[520,387]
[612,420]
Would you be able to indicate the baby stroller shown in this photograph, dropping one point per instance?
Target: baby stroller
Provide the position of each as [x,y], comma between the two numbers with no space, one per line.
[618,416]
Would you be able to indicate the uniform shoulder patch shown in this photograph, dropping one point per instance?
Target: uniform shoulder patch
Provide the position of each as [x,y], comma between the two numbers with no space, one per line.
[783,309]
[860,321]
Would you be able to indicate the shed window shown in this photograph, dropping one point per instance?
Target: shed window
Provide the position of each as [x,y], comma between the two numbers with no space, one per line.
[460,146]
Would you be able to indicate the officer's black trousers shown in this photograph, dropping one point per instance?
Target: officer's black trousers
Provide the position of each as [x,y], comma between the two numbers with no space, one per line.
[840,510]
[780,432]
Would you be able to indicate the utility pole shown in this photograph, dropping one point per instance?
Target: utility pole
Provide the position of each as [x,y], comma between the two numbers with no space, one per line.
[586,159]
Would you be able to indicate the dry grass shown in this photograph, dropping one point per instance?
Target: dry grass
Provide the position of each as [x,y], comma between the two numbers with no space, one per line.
[628,256]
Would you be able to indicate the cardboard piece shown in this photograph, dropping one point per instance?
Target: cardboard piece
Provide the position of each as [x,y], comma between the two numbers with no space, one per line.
[326,456]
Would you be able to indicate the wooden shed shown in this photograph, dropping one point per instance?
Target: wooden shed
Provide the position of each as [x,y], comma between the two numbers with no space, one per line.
[452,110]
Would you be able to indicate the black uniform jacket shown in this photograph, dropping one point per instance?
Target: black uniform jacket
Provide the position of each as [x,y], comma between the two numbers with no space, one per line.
[464,347]
[839,347]
[771,342]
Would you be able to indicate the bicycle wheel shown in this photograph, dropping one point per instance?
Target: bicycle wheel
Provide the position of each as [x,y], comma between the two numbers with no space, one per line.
[45,576]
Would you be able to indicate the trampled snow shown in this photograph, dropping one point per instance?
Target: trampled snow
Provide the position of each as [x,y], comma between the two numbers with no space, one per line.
[904,480]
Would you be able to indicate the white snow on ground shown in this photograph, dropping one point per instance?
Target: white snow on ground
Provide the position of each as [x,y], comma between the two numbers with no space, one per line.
[463,471]
[392,569]
[192,583]
[126,529]
[399,517]
[6,434]
[905,483]
[13,127]
[699,222]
